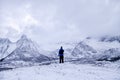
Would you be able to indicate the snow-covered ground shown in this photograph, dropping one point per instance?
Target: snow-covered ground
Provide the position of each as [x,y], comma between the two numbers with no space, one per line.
[66,71]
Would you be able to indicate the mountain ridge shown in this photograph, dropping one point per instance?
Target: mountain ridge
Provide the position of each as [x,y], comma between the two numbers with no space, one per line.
[25,50]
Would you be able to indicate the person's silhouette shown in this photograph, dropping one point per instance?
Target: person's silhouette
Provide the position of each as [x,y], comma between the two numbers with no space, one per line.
[61,55]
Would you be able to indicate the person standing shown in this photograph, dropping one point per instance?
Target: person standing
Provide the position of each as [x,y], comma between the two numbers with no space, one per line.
[61,55]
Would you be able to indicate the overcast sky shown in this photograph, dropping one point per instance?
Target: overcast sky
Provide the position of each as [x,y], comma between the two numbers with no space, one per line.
[59,20]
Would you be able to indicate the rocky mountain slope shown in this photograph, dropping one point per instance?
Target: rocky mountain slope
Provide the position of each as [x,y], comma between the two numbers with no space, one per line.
[25,50]
[98,49]
[6,47]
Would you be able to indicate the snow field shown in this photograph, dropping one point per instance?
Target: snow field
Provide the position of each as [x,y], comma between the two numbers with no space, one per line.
[66,71]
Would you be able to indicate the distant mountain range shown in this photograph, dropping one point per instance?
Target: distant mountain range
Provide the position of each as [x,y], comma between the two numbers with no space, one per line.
[24,49]
[105,48]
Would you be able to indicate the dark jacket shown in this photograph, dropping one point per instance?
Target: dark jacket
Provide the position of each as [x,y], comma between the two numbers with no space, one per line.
[61,51]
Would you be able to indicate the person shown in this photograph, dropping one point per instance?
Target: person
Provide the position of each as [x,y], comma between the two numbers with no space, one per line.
[61,55]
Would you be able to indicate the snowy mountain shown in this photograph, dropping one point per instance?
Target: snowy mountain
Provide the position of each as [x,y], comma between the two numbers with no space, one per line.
[99,49]
[26,50]
[6,47]
[83,50]
[4,44]
[112,54]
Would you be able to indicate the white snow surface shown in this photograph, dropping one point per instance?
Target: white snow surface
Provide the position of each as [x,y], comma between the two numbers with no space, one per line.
[66,71]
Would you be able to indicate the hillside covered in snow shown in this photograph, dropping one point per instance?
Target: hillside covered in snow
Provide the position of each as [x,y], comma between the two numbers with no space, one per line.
[20,52]
[101,49]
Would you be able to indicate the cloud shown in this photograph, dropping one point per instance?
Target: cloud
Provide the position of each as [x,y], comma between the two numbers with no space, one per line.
[59,20]
[92,17]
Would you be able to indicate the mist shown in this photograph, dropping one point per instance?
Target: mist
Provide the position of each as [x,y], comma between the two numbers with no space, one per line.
[59,20]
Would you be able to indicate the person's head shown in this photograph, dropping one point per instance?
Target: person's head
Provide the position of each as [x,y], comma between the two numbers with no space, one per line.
[61,47]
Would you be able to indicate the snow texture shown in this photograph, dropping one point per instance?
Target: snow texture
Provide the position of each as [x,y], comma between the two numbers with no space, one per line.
[66,71]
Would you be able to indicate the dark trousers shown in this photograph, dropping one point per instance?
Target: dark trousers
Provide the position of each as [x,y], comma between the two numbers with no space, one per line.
[61,59]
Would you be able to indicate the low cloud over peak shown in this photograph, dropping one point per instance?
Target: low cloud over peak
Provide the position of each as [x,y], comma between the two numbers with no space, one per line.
[61,20]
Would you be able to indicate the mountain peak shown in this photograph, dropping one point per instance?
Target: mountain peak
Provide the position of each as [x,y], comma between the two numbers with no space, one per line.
[24,36]
[23,39]
[4,40]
